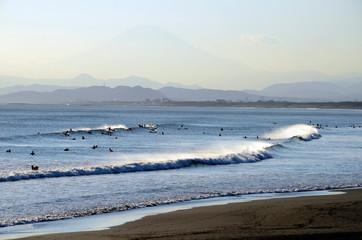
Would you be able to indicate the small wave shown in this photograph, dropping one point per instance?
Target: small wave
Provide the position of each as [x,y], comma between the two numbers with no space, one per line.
[249,155]
[108,128]
[299,131]
[276,146]
[129,206]
[103,128]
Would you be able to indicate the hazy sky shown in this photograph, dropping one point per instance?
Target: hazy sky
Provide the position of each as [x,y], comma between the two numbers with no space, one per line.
[317,35]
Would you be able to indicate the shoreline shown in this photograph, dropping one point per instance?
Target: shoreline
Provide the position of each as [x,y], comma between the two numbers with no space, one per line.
[333,216]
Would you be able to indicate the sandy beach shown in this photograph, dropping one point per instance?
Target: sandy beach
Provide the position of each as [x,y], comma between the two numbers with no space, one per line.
[316,217]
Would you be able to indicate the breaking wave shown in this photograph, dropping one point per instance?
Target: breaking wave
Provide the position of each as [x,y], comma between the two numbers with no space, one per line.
[249,154]
[300,131]
[104,127]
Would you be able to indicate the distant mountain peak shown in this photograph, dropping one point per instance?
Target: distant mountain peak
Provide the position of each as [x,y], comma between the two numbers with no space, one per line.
[84,76]
[149,36]
[156,53]
[144,29]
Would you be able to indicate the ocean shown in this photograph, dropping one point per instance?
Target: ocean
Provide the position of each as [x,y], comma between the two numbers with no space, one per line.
[101,159]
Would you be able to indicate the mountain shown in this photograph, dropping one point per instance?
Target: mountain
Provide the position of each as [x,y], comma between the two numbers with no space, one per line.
[182,94]
[157,54]
[9,81]
[352,81]
[89,94]
[124,93]
[33,87]
[145,82]
[316,91]
[344,87]
[153,52]
[12,84]
[293,92]
[303,89]
[84,80]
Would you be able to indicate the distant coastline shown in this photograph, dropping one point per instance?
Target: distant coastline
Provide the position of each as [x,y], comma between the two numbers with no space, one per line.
[258,104]
[266,104]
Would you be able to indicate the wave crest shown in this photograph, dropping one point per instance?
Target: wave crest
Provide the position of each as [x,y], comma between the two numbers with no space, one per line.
[300,131]
[248,155]
[104,128]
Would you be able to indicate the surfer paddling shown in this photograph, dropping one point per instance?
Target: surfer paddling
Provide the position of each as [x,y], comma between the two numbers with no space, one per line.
[34,168]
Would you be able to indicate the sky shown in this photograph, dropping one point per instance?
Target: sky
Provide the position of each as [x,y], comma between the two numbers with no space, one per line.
[277,36]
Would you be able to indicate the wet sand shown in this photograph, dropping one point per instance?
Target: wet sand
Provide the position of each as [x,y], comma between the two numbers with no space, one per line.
[316,217]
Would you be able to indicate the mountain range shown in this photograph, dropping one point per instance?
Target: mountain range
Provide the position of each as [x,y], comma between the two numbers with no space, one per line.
[71,90]
[347,90]
[85,94]
[152,52]
[295,92]
[157,54]
[124,94]
[13,84]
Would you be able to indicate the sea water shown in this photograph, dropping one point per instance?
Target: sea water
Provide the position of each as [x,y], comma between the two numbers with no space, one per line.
[124,158]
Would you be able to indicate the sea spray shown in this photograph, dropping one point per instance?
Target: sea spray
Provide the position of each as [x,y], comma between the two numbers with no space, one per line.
[299,131]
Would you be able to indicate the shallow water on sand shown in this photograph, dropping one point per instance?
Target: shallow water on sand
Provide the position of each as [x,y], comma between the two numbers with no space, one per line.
[105,221]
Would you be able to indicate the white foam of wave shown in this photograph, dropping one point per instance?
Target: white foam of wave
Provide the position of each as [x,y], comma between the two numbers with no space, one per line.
[103,127]
[217,155]
[215,151]
[300,131]
[129,206]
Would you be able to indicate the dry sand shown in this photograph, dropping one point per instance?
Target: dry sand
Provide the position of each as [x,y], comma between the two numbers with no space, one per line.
[317,217]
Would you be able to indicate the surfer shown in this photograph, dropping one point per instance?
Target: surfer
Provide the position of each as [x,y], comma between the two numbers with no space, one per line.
[32,153]
[9,150]
[34,168]
[110,149]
